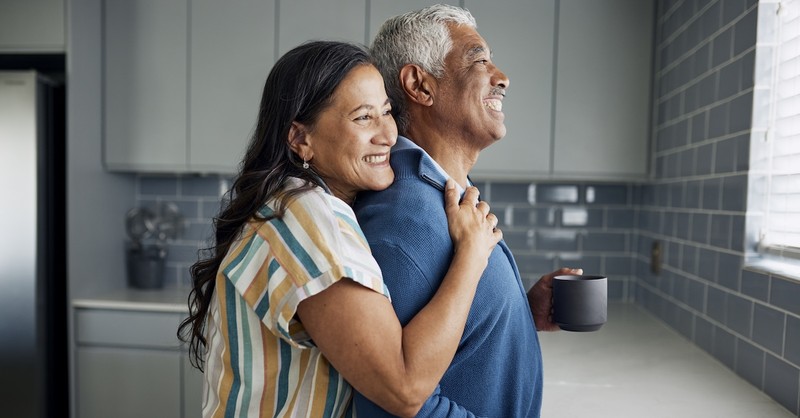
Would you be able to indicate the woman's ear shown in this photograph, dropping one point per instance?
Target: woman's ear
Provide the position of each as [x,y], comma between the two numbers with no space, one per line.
[299,141]
[417,84]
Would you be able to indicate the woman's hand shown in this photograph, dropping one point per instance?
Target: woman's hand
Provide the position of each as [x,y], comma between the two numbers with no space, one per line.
[473,228]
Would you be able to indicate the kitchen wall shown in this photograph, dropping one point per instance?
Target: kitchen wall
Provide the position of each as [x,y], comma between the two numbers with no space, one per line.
[547,225]
[696,205]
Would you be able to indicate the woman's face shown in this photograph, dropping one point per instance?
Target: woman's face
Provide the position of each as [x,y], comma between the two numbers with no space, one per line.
[349,145]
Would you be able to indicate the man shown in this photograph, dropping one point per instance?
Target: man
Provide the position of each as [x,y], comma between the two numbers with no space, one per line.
[447,97]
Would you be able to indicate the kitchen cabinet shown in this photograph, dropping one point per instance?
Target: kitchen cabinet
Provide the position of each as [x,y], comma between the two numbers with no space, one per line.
[145,88]
[578,105]
[130,364]
[520,34]
[603,89]
[303,20]
[231,53]
[32,26]
[183,82]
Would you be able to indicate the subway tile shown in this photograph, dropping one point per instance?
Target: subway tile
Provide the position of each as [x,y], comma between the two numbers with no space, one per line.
[189,209]
[728,80]
[722,45]
[711,193]
[792,344]
[719,234]
[711,20]
[617,266]
[557,193]
[617,290]
[729,267]
[673,254]
[691,102]
[209,209]
[687,166]
[755,285]
[518,240]
[556,240]
[698,127]
[732,9]
[704,159]
[700,227]
[534,264]
[707,264]
[740,113]
[605,241]
[685,322]
[689,259]
[748,67]
[768,327]
[707,93]
[530,217]
[704,334]
[737,232]
[158,186]
[724,347]
[202,186]
[618,218]
[198,231]
[781,381]
[739,314]
[696,295]
[725,156]
[574,216]
[785,294]
[683,225]
[734,193]
[750,363]
[182,253]
[742,153]
[716,303]
[718,120]
[744,36]
[694,193]
[702,63]
[509,193]
[608,194]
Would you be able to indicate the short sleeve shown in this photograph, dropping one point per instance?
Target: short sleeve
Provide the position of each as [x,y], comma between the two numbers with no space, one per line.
[279,263]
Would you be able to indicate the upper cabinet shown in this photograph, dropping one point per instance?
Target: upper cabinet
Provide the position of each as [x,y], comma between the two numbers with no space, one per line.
[603,89]
[303,20]
[32,26]
[183,79]
[520,35]
[183,82]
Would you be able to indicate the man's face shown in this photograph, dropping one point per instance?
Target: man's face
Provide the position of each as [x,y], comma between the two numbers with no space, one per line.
[470,95]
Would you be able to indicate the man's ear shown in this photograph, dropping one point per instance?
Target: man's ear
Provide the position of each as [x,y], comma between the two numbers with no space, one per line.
[299,141]
[417,84]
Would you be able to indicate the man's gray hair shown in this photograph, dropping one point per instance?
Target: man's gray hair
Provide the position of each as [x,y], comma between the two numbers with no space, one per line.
[420,37]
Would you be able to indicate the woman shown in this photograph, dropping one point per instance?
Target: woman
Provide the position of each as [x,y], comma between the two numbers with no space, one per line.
[278,329]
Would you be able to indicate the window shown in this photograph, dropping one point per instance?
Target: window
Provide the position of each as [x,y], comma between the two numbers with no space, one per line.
[774,187]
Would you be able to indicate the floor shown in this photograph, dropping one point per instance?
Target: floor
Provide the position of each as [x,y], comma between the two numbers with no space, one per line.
[635,366]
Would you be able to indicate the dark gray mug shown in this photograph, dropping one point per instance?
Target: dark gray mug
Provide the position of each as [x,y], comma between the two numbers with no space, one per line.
[580,302]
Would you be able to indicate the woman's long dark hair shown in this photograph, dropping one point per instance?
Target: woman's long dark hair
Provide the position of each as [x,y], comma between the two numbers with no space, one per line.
[298,88]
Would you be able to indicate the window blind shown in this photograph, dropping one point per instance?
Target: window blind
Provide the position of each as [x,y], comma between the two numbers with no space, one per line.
[781,230]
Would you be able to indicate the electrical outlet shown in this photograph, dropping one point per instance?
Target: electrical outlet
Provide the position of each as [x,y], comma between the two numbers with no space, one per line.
[655,257]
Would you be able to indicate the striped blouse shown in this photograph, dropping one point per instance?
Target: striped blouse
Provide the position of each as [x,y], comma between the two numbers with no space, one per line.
[260,362]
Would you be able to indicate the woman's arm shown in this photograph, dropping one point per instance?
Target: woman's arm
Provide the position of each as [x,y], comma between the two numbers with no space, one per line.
[358,331]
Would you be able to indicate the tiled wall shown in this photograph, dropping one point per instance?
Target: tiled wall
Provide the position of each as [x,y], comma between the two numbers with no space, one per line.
[696,207]
[546,225]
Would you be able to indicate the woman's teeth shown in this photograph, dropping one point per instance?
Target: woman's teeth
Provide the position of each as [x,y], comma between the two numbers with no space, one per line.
[374,159]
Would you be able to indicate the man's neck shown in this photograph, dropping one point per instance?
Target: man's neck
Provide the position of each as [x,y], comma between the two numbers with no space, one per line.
[451,153]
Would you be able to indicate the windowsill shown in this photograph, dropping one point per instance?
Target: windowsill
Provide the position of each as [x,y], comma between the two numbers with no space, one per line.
[788,269]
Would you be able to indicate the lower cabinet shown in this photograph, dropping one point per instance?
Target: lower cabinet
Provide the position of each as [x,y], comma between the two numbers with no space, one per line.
[131,364]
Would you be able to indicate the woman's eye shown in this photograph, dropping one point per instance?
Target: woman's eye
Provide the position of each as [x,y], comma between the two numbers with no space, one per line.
[387,112]
[363,117]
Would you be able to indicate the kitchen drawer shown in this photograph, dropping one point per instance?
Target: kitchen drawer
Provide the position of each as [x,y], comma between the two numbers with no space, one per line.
[127,328]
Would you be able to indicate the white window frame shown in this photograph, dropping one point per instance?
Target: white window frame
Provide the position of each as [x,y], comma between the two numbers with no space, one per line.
[769,247]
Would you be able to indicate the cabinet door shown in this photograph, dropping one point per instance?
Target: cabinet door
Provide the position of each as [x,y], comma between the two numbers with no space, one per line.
[380,10]
[192,387]
[128,382]
[303,20]
[232,51]
[32,26]
[520,34]
[603,88]
[145,84]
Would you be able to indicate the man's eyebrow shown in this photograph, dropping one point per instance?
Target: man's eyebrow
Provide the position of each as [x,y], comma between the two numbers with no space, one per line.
[476,51]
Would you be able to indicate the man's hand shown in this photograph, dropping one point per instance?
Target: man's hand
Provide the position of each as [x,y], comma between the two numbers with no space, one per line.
[540,297]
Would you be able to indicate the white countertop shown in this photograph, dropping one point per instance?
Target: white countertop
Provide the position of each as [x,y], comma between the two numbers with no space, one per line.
[158,300]
[635,366]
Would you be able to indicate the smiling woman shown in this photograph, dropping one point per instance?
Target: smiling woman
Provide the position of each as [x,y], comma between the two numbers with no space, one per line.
[272,318]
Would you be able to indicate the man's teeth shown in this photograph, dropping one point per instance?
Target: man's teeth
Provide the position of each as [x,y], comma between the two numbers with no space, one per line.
[374,159]
[495,105]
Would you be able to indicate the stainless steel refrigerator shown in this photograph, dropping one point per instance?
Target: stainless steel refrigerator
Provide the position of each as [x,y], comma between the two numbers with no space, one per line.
[33,314]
